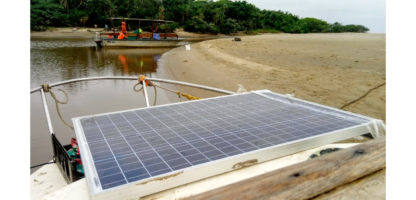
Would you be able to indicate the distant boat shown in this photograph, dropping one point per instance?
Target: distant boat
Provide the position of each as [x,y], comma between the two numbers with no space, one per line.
[135,39]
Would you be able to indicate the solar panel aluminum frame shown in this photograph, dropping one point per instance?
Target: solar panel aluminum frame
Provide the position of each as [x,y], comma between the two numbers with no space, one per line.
[180,177]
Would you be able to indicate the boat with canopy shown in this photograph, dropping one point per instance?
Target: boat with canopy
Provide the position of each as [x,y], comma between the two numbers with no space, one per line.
[137,38]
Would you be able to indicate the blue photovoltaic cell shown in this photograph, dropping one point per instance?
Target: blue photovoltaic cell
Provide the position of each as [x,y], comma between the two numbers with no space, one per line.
[133,145]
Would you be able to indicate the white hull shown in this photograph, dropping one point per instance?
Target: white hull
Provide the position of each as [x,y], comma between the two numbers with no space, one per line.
[143,43]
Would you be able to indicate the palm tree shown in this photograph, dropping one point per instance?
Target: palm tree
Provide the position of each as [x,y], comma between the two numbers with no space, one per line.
[217,15]
[65,4]
[161,12]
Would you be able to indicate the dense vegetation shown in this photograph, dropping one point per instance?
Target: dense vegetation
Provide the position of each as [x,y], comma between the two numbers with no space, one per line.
[206,16]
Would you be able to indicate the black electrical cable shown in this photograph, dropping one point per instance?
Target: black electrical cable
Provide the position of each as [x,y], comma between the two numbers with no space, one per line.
[44,163]
[41,165]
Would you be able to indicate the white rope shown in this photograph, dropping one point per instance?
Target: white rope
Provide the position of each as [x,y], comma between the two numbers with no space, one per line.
[289,99]
[377,128]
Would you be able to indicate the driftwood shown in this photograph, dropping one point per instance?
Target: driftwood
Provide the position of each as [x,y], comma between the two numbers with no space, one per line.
[310,178]
[372,187]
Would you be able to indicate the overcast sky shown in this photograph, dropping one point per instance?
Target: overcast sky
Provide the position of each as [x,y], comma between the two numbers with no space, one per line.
[370,13]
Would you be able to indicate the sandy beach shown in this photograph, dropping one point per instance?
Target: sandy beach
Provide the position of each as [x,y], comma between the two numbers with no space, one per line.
[66,33]
[329,69]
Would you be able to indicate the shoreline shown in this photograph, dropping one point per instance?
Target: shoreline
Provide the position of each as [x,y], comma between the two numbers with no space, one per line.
[332,69]
[329,69]
[82,32]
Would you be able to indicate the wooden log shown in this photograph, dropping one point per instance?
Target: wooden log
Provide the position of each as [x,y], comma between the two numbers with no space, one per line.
[372,187]
[146,35]
[171,35]
[131,34]
[310,178]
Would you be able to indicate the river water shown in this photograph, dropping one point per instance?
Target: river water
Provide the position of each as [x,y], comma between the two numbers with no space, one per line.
[53,60]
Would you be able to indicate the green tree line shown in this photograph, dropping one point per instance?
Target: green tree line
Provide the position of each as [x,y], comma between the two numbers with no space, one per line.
[205,16]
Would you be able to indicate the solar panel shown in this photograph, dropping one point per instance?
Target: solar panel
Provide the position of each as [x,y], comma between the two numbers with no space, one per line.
[183,142]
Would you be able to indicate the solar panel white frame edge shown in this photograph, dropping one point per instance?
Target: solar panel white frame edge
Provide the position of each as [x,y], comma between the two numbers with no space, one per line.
[180,177]
[259,92]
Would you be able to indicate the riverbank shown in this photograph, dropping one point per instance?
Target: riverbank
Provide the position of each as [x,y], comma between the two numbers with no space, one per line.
[81,32]
[66,32]
[329,69]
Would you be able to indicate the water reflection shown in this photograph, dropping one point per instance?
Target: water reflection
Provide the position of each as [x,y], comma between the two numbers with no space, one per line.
[55,60]
[137,61]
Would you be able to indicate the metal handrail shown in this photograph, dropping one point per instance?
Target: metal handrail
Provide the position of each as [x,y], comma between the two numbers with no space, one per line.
[135,78]
[45,105]
[191,85]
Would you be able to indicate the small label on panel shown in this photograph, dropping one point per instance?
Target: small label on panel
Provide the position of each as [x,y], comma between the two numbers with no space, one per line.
[96,181]
[247,163]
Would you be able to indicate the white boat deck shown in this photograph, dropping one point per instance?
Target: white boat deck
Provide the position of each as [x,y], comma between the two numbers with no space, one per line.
[48,183]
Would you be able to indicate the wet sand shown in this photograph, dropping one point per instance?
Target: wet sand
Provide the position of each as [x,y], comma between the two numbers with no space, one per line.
[329,69]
